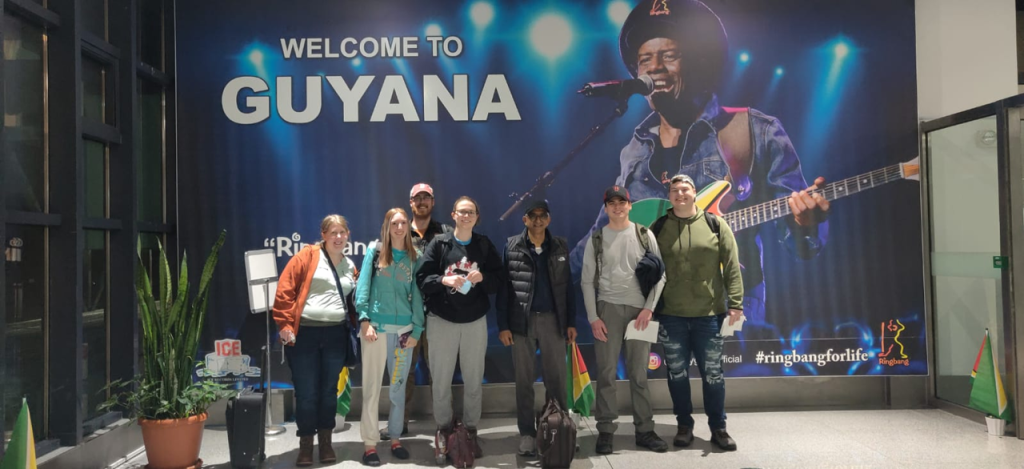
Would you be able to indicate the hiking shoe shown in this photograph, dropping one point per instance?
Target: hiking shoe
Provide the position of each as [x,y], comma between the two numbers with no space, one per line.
[651,441]
[527,446]
[722,439]
[604,443]
[384,435]
[684,437]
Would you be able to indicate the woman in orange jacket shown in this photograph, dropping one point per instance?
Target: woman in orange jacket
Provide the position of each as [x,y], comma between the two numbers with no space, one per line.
[311,296]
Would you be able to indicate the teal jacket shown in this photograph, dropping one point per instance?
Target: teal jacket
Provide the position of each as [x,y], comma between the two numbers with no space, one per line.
[389,296]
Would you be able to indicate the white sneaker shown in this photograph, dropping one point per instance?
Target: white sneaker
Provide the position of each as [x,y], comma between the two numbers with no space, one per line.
[527,446]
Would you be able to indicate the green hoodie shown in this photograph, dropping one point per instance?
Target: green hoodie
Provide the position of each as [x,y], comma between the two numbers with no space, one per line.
[389,296]
[699,267]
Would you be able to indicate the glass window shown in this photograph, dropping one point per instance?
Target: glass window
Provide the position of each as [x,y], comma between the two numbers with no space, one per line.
[24,311]
[95,179]
[97,92]
[151,33]
[94,17]
[23,167]
[149,252]
[967,291]
[150,174]
[94,322]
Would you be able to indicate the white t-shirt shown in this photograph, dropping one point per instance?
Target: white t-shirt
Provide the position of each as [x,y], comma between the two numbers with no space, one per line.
[324,306]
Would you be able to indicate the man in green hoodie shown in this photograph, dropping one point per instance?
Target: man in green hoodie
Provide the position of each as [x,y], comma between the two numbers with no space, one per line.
[703,288]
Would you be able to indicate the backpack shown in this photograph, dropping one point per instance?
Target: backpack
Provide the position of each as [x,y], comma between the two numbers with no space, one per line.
[597,241]
[460,445]
[556,436]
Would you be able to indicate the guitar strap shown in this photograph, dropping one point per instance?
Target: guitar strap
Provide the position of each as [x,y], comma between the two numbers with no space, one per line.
[735,140]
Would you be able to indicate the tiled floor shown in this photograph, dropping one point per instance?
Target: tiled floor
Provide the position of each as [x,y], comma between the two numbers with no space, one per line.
[828,439]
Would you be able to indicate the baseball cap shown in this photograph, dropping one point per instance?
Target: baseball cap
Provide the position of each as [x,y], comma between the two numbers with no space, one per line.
[536,204]
[421,187]
[683,178]
[616,191]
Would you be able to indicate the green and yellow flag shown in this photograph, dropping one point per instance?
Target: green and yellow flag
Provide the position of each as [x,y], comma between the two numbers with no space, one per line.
[987,393]
[344,393]
[581,391]
[21,451]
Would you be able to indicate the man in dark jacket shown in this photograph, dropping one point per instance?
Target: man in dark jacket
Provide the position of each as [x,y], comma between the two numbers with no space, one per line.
[536,308]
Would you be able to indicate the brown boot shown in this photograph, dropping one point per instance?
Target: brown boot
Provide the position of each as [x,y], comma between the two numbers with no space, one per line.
[305,451]
[324,441]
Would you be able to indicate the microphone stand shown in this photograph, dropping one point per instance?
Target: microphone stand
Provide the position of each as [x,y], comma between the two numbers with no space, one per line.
[548,178]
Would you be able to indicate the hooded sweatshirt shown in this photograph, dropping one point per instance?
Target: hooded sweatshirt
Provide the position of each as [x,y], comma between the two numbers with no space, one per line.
[702,270]
[389,296]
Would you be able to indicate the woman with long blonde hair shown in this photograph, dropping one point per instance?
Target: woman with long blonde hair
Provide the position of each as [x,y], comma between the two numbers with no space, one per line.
[391,321]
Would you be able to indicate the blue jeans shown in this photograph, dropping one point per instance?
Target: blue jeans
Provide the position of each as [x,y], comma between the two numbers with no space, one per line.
[701,338]
[316,360]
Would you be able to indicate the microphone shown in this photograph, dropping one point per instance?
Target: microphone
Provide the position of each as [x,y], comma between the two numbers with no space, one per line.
[619,89]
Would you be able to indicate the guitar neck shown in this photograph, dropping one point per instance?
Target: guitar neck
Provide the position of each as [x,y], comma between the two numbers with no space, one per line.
[778,208]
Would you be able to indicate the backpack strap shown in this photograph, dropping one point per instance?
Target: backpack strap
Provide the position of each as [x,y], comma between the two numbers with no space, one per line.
[714,223]
[376,259]
[659,224]
[641,236]
[597,242]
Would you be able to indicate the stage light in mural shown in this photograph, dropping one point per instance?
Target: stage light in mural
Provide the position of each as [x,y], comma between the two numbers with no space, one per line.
[495,97]
[256,57]
[551,35]
[779,71]
[618,11]
[433,29]
[841,50]
[481,13]
[744,57]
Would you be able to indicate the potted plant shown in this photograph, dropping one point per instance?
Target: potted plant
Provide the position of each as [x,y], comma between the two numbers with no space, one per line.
[169,406]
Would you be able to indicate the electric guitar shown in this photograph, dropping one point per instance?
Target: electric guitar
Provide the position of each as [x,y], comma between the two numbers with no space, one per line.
[646,211]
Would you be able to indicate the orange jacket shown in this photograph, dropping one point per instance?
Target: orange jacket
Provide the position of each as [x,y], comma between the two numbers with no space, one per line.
[293,288]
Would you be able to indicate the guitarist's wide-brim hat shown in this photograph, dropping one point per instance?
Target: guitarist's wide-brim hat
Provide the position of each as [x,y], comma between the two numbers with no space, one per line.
[697,29]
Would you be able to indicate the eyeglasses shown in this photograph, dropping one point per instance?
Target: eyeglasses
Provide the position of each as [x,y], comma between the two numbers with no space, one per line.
[534,216]
[466,213]
[422,198]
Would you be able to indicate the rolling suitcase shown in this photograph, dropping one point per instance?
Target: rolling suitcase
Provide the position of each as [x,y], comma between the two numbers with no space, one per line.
[246,418]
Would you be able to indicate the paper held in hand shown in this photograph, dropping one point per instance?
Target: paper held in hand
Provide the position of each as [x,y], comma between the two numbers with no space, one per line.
[648,335]
[727,330]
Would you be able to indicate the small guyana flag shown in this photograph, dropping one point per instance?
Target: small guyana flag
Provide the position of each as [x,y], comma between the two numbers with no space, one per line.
[344,393]
[987,393]
[21,451]
[581,391]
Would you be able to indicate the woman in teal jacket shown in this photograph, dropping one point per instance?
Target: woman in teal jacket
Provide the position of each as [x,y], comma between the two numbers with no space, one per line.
[391,321]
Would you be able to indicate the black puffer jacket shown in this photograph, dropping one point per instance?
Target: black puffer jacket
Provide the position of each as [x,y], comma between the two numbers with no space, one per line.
[515,298]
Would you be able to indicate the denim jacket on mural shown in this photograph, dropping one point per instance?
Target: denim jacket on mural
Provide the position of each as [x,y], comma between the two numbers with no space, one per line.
[775,173]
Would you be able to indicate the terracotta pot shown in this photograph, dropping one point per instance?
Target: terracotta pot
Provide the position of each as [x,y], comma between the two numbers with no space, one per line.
[173,444]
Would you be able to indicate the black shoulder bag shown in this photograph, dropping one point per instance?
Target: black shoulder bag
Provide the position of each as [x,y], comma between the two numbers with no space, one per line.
[355,354]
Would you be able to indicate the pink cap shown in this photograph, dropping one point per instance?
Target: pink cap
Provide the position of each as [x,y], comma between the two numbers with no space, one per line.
[421,187]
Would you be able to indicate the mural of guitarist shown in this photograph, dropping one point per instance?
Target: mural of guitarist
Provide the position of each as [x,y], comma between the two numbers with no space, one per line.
[682,45]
